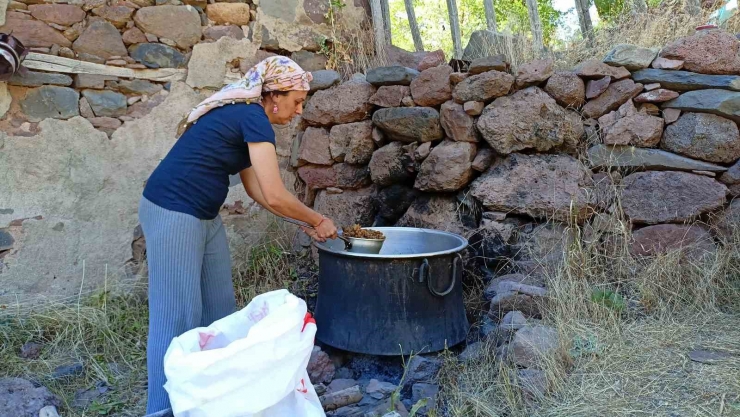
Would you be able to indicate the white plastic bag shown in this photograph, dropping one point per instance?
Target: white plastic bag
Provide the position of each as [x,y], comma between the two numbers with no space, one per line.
[249,364]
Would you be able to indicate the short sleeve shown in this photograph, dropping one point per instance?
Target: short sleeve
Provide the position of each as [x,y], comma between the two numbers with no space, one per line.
[255,126]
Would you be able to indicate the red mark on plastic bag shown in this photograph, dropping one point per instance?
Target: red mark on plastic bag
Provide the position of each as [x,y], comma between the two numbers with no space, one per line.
[307,319]
[204,339]
[303,389]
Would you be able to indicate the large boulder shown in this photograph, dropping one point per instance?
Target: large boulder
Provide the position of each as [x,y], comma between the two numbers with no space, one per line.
[703,136]
[433,211]
[685,80]
[178,23]
[694,241]
[639,129]
[631,57]
[670,197]
[483,87]
[387,165]
[541,186]
[447,168]
[720,102]
[617,94]
[346,103]
[486,43]
[528,119]
[348,208]
[706,52]
[457,124]
[604,156]
[567,89]
[432,87]
[409,124]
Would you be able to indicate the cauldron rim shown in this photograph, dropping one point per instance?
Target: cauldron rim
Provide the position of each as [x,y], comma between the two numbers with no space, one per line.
[462,244]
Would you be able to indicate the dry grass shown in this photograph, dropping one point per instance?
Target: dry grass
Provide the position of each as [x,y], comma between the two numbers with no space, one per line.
[626,326]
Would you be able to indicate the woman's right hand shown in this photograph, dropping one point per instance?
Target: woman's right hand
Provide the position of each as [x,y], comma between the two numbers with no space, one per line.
[326,230]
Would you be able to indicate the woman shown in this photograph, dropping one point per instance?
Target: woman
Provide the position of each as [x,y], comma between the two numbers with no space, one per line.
[189,264]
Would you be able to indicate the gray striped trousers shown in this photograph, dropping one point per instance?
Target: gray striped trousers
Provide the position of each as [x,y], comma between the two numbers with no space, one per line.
[189,283]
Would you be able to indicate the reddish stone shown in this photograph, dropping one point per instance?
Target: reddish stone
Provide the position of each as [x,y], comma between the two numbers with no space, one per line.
[595,88]
[671,115]
[567,89]
[229,13]
[106,124]
[143,108]
[34,33]
[458,125]
[318,177]
[596,69]
[432,59]
[534,73]
[432,87]
[315,147]
[390,96]
[660,95]
[474,108]
[639,129]
[667,64]
[651,87]
[694,242]
[61,14]
[457,77]
[352,177]
[119,16]
[134,36]
[706,52]
[617,94]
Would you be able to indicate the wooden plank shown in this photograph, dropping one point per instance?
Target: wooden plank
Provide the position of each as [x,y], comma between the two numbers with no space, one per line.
[386,21]
[536,24]
[418,44]
[53,63]
[455,26]
[490,15]
[377,12]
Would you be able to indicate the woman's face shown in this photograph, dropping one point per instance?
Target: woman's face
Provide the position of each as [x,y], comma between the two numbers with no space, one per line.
[289,105]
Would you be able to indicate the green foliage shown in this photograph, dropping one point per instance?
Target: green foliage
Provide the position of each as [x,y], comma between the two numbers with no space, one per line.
[609,9]
[609,299]
[433,20]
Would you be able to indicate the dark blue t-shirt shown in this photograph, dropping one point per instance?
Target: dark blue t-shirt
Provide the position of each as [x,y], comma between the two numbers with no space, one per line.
[194,176]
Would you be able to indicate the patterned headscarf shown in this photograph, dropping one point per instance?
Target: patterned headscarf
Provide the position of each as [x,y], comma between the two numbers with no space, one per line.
[276,73]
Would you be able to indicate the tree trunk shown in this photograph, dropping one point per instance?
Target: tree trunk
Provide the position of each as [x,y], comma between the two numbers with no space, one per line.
[414,26]
[693,7]
[455,28]
[534,20]
[640,6]
[490,15]
[387,21]
[379,28]
[584,19]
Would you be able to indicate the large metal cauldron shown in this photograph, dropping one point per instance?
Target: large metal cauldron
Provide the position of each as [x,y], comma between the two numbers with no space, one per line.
[408,298]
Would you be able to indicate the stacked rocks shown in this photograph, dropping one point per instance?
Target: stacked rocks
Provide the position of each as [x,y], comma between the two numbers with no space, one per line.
[140,35]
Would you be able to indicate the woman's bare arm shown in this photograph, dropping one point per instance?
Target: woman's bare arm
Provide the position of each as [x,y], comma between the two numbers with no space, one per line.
[273,194]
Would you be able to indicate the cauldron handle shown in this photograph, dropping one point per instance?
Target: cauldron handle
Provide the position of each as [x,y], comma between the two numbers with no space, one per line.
[425,274]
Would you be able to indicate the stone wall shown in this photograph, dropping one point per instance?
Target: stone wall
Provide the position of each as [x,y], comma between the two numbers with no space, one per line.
[510,159]
[76,148]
